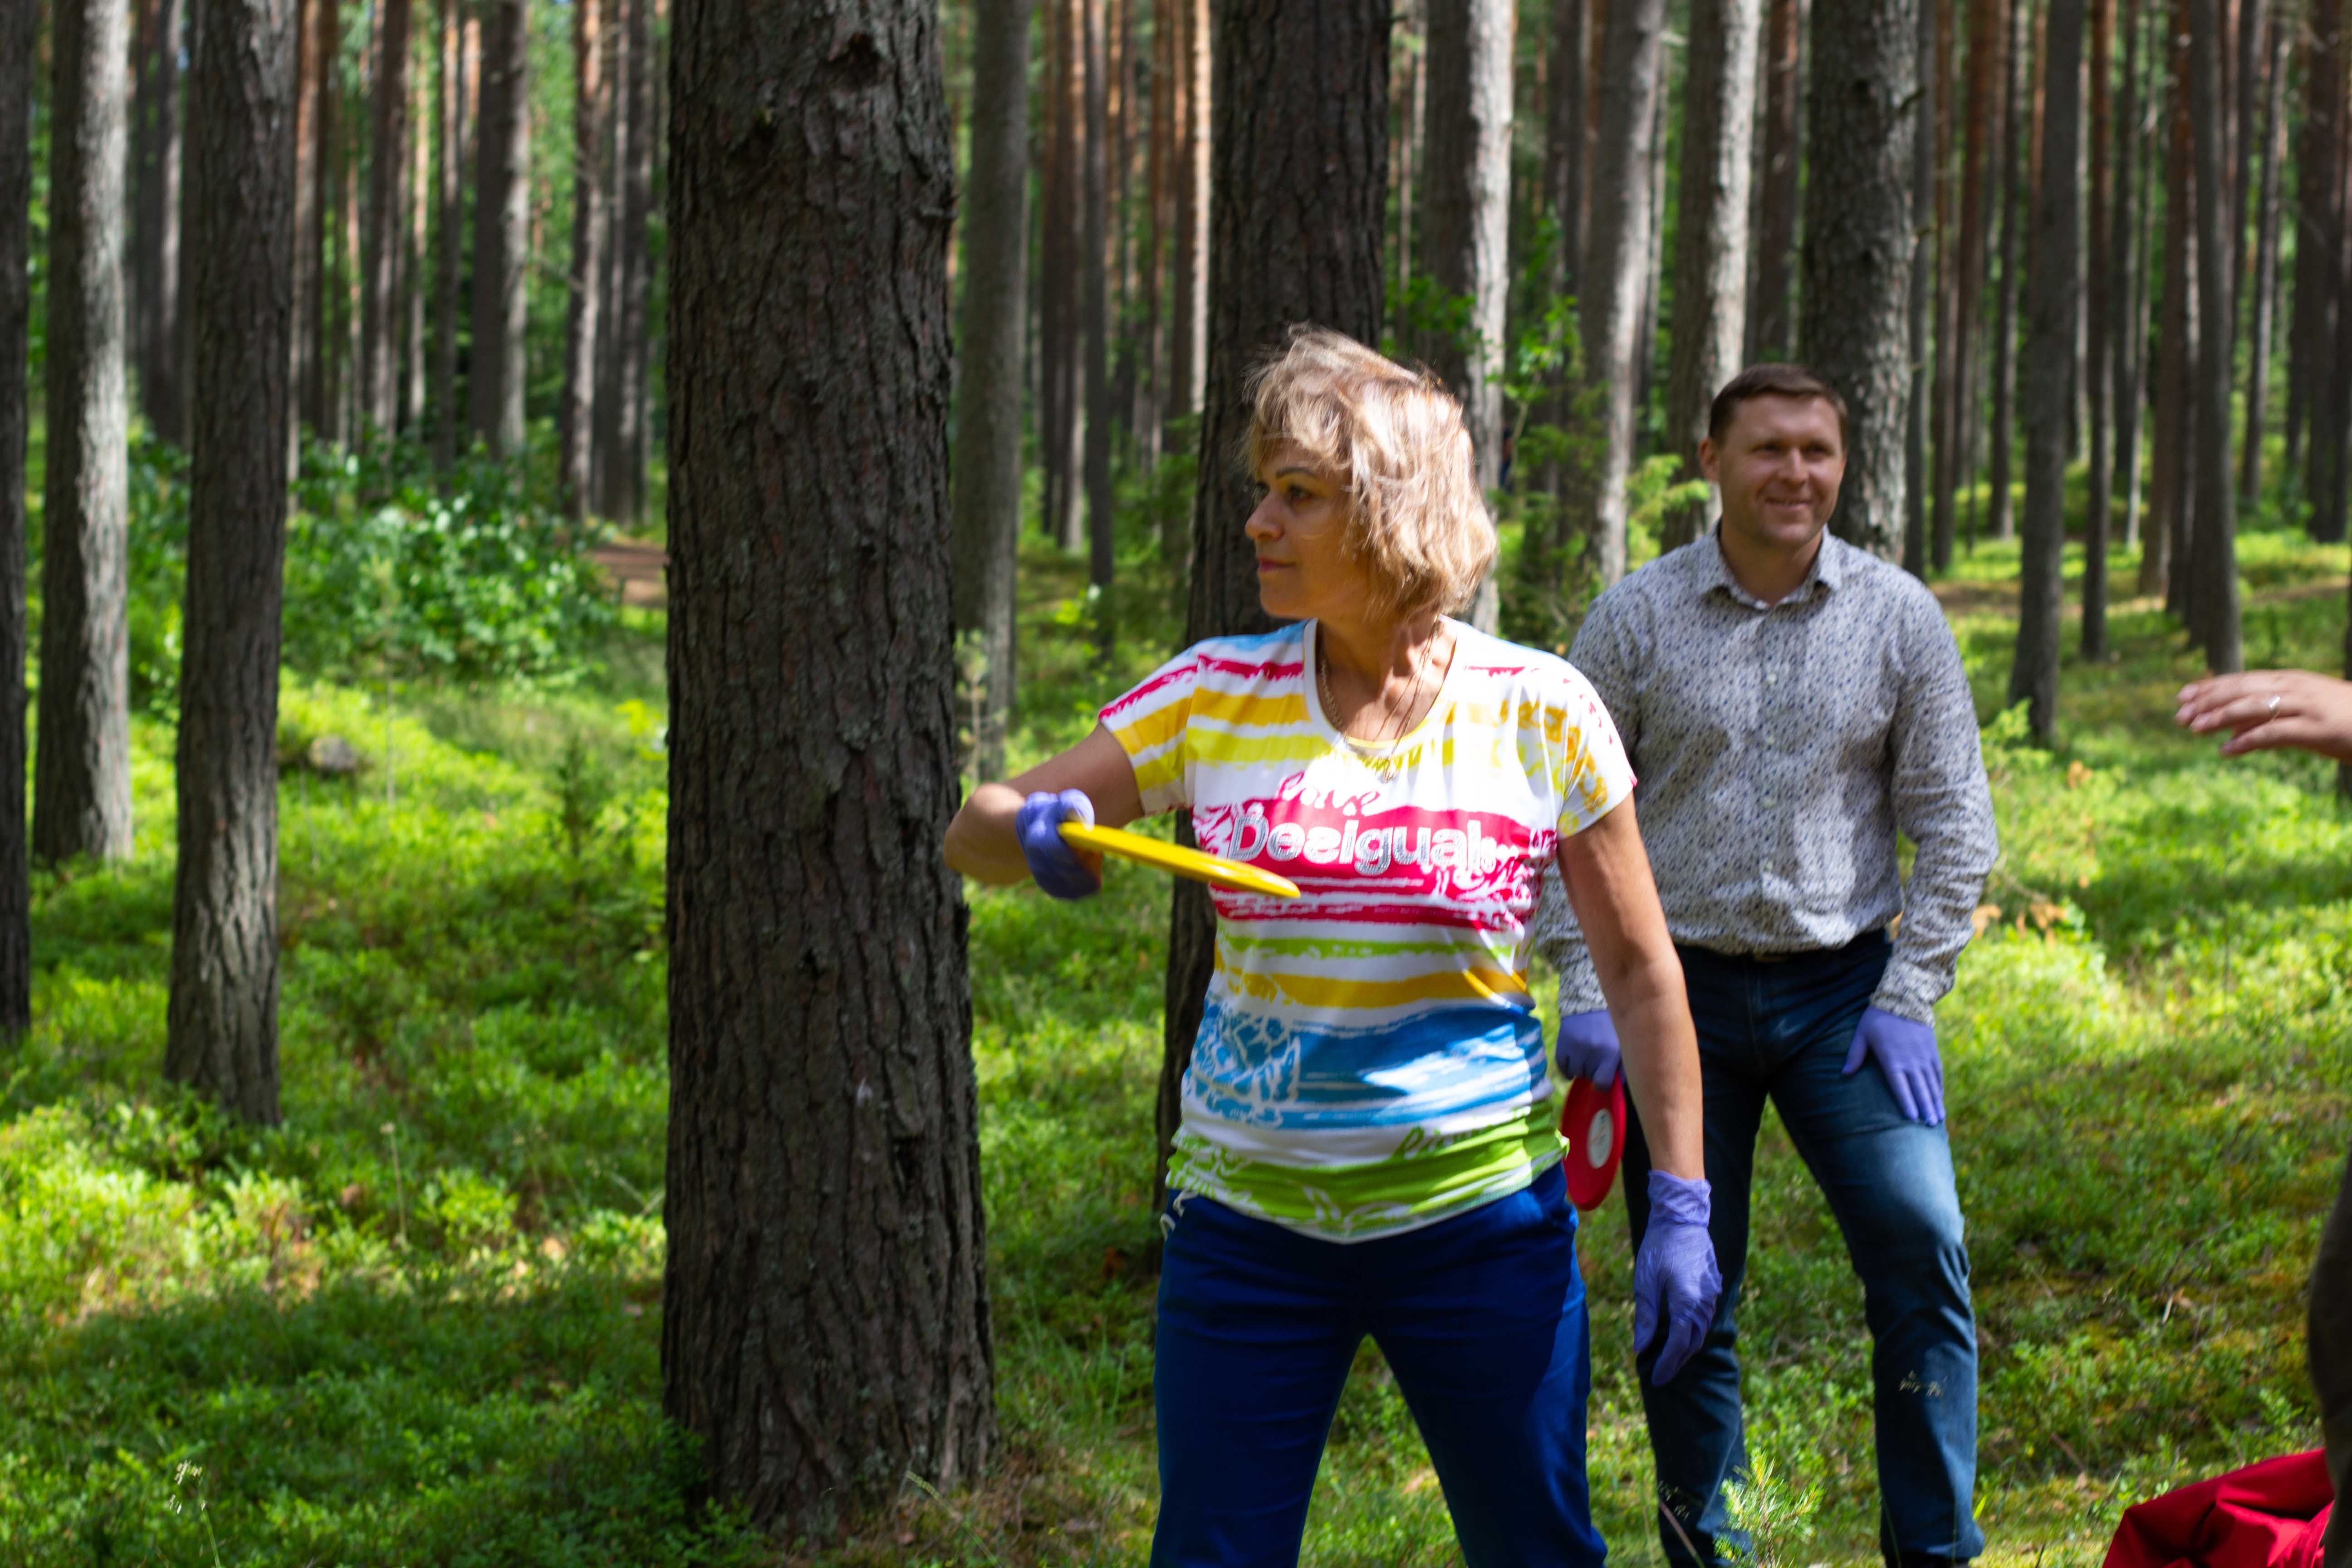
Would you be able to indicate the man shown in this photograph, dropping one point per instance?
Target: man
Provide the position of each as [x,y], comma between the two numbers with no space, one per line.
[1789,702]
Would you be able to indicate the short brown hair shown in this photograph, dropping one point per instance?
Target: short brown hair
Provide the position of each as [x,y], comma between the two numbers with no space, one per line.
[1395,439]
[1793,381]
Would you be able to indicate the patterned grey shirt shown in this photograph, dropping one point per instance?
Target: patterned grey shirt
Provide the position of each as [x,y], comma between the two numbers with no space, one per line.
[1779,747]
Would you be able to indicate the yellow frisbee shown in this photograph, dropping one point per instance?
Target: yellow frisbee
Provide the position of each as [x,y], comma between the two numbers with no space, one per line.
[1165,856]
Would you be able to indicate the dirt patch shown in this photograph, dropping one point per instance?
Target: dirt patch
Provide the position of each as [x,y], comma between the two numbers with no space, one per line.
[639,567]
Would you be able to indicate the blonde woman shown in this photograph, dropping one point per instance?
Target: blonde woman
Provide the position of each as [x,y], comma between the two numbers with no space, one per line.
[1369,1142]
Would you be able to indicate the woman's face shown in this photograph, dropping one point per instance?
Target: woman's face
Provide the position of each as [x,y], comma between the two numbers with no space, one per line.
[1303,569]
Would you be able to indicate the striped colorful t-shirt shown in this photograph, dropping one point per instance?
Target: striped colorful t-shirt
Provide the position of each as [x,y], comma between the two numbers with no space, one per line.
[1368,1060]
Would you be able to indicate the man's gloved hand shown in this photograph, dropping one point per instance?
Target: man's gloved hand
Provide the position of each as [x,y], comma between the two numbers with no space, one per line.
[1906,1054]
[1675,1276]
[1588,1048]
[1061,872]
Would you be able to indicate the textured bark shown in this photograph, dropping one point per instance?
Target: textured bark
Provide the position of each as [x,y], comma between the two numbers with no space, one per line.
[157,265]
[1711,230]
[81,795]
[576,462]
[1617,255]
[1924,268]
[1295,219]
[2000,512]
[2213,580]
[1094,309]
[501,228]
[988,390]
[2266,275]
[450,202]
[2318,235]
[315,276]
[1188,353]
[825,1321]
[222,1032]
[381,251]
[2097,308]
[623,456]
[1467,186]
[1769,318]
[17,29]
[2051,305]
[1857,251]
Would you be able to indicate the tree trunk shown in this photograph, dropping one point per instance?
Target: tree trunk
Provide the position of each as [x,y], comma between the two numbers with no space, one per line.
[625,456]
[1564,115]
[2049,344]
[615,169]
[2318,245]
[2094,373]
[1468,186]
[1188,361]
[2265,278]
[416,205]
[158,265]
[2213,584]
[2167,501]
[2243,90]
[1158,221]
[1858,240]
[222,1032]
[343,326]
[825,1318]
[1617,255]
[987,394]
[501,229]
[1921,296]
[1769,316]
[575,463]
[1951,361]
[1296,208]
[19,27]
[2130,274]
[379,290]
[449,201]
[1999,509]
[1416,124]
[81,795]
[1711,231]
[1094,307]
[1064,258]
[316,276]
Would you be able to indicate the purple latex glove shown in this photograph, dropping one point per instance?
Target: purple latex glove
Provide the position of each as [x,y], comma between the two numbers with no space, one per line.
[1675,1276]
[1052,861]
[1906,1054]
[1588,1048]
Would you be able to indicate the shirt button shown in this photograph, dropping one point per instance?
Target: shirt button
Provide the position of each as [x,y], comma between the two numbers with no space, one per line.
[1770,679]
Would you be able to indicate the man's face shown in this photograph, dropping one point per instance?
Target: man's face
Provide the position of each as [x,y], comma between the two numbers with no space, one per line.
[1778,466]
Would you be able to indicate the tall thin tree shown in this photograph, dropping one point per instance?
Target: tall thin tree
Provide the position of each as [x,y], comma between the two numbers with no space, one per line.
[1094,312]
[1467,186]
[449,232]
[1770,320]
[584,323]
[494,367]
[1987,34]
[2051,305]
[2318,245]
[624,457]
[827,1113]
[2265,277]
[2128,277]
[1188,353]
[2000,511]
[1925,257]
[222,1029]
[18,26]
[2096,309]
[381,249]
[2213,584]
[1857,250]
[81,787]
[158,240]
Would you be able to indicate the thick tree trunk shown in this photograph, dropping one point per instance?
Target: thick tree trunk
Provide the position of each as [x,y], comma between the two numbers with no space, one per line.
[18,27]
[1296,217]
[1467,181]
[158,266]
[2051,305]
[81,795]
[1999,510]
[1711,230]
[1922,291]
[2265,275]
[1858,240]
[2213,584]
[2096,302]
[449,201]
[1094,310]
[1768,316]
[2318,233]
[988,392]
[380,284]
[1617,255]
[222,1032]
[501,229]
[826,1320]
[575,463]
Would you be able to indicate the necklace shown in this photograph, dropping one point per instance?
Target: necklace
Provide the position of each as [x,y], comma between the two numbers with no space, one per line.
[1374,752]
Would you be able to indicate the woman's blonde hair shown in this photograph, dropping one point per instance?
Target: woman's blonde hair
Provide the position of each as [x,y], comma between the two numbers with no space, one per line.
[1395,439]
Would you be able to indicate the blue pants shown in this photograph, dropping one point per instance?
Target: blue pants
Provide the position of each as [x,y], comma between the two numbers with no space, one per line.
[1780,1030]
[1481,1318]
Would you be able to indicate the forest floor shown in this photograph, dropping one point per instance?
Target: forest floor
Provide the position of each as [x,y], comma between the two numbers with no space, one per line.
[420,1323]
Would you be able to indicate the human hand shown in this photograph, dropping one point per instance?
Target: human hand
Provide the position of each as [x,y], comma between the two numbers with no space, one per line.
[1906,1057]
[1675,1276]
[1588,1048]
[1061,870]
[2266,709]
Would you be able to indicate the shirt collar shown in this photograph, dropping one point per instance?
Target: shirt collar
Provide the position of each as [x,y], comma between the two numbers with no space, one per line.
[1828,570]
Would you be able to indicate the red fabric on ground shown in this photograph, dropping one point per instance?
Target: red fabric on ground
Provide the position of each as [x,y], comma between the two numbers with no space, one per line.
[2270,1515]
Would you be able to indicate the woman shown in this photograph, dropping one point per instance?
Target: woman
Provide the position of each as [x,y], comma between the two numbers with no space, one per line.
[1369,1140]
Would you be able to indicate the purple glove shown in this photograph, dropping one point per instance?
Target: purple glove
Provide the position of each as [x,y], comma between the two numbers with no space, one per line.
[1588,1048]
[1052,861]
[1675,1276]
[1906,1054]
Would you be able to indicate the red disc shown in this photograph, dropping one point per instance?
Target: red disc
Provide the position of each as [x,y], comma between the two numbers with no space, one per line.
[1593,1122]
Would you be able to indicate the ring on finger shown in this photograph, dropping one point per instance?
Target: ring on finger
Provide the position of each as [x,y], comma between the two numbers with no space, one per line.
[2270,710]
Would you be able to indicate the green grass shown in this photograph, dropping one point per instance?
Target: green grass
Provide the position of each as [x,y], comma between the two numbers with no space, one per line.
[419,1324]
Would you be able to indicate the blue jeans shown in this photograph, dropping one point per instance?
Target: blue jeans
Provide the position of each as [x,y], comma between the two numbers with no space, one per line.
[1482,1319]
[1780,1031]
